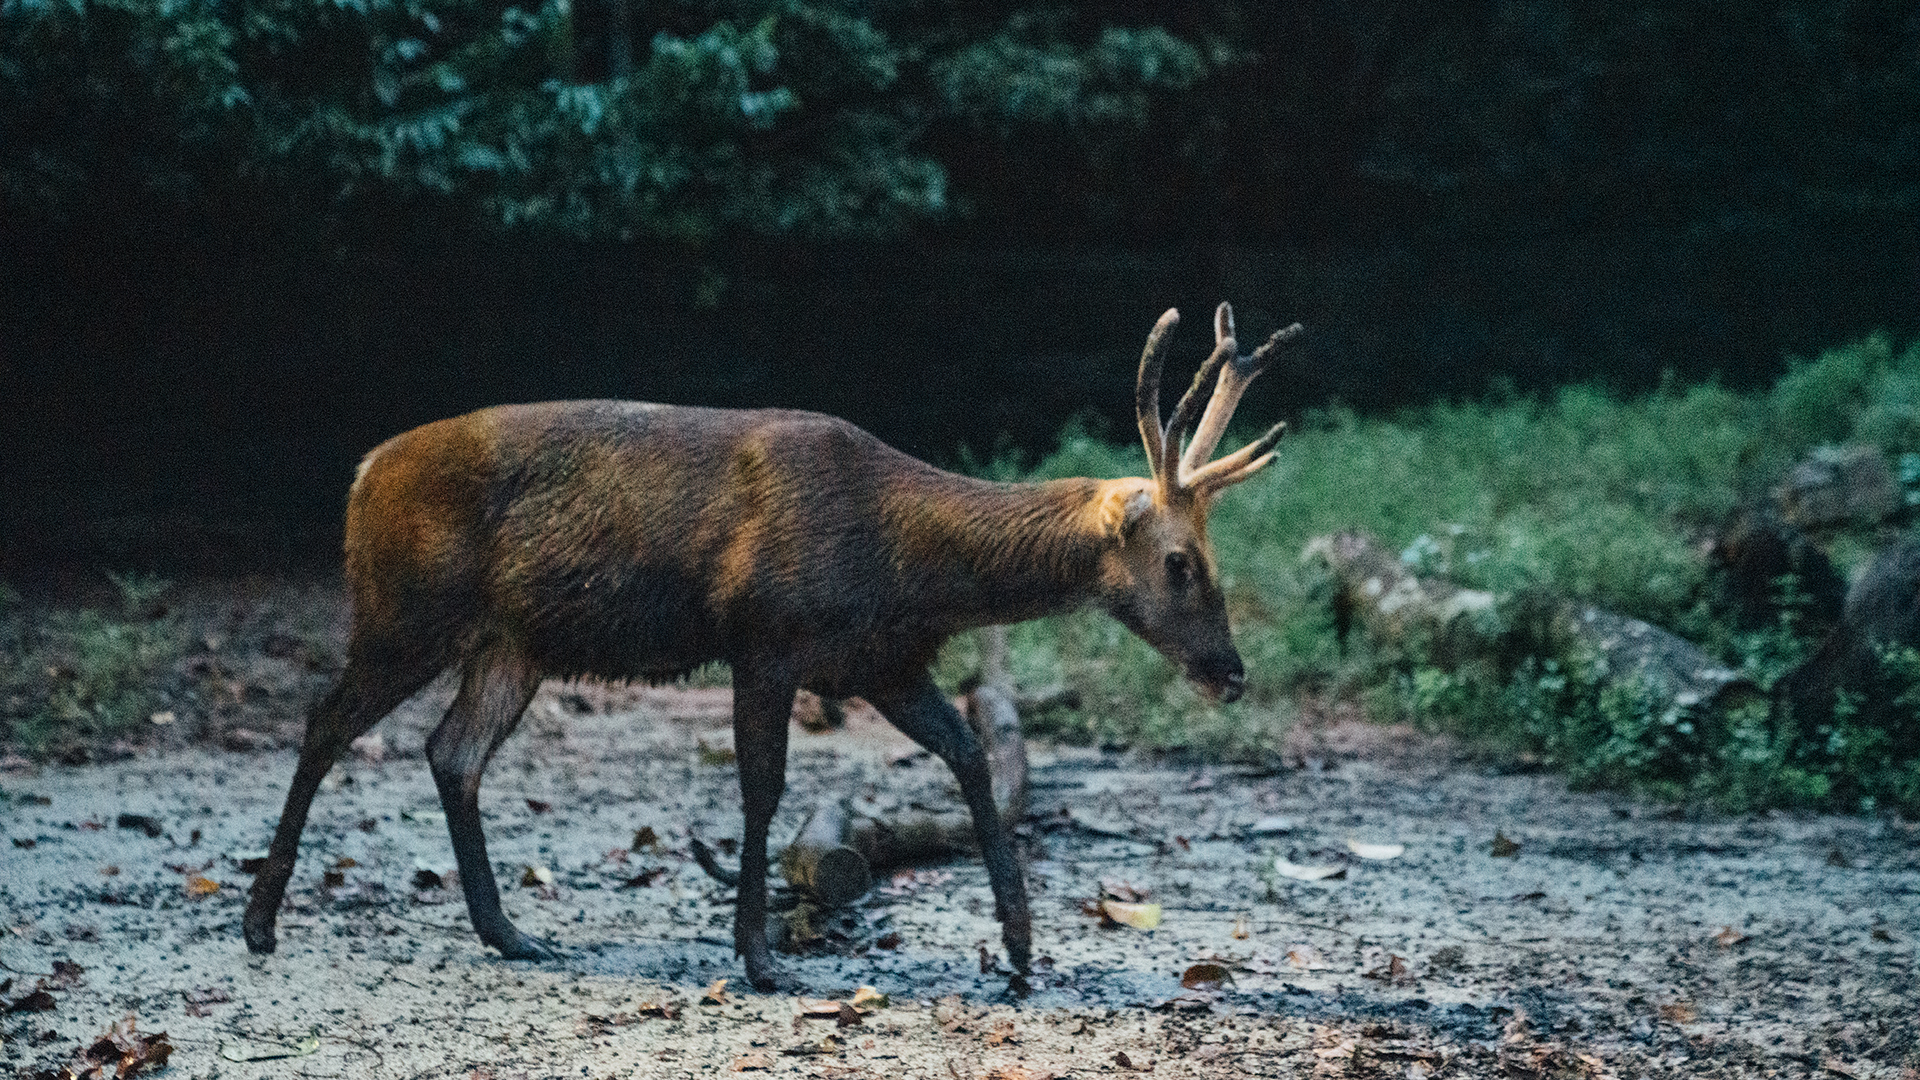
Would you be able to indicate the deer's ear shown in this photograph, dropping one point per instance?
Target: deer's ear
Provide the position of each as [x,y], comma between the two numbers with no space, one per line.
[1123,505]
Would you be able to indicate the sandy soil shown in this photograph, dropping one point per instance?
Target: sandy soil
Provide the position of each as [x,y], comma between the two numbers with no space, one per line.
[1616,940]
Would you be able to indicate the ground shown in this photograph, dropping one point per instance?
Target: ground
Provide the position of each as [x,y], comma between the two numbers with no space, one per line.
[1525,930]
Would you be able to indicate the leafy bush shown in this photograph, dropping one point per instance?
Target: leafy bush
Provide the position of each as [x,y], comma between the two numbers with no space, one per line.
[1583,496]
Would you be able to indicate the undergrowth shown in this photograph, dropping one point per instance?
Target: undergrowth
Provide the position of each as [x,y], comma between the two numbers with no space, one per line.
[1582,495]
[71,678]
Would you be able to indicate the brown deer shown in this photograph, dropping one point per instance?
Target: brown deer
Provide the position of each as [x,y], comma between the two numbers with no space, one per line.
[634,541]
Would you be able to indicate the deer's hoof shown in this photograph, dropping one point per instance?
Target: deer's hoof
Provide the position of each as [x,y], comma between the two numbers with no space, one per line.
[259,933]
[522,947]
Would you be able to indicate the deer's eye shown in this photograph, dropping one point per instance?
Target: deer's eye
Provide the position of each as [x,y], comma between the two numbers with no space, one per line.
[1179,568]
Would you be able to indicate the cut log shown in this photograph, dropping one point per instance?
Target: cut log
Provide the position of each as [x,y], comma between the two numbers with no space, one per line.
[836,853]
[821,863]
[1459,625]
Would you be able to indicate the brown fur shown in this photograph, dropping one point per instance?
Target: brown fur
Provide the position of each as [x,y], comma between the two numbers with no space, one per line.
[632,541]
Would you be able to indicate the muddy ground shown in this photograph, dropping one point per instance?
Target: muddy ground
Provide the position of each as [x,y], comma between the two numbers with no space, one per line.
[1617,940]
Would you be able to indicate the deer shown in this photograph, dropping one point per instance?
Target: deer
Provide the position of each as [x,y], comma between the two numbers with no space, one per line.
[634,541]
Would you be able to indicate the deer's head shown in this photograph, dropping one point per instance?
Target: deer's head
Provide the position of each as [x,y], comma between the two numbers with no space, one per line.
[1159,579]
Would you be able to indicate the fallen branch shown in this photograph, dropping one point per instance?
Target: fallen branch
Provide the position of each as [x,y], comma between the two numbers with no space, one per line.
[836,852]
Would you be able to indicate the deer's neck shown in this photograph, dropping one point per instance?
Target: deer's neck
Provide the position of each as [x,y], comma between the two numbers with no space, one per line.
[978,552]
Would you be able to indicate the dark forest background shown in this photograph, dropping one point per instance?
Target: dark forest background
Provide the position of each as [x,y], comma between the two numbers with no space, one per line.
[245,240]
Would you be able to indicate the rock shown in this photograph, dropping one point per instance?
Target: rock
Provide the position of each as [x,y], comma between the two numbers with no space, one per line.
[1838,485]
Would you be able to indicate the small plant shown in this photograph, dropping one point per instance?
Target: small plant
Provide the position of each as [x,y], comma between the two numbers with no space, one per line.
[84,676]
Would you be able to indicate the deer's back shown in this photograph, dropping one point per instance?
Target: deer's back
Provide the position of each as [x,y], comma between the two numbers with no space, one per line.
[623,539]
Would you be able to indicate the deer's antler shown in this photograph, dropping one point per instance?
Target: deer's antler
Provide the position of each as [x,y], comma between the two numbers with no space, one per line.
[1189,474]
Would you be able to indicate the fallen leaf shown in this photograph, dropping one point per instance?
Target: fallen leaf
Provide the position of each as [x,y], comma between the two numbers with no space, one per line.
[866,997]
[110,870]
[1138,916]
[142,822]
[1205,977]
[127,1051]
[539,806]
[198,886]
[1386,967]
[889,940]
[36,1001]
[66,974]
[1376,851]
[847,1017]
[822,1009]
[1307,873]
[645,839]
[1003,1033]
[535,877]
[427,879]
[1728,937]
[665,1010]
[645,878]
[716,993]
[1242,930]
[1272,826]
[1124,891]
[1502,847]
[345,862]
[752,1062]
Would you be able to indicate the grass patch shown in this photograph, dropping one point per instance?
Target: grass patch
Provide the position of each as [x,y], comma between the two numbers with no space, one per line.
[1583,495]
[74,678]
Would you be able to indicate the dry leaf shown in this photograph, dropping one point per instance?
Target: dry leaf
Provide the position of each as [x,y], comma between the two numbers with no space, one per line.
[1138,916]
[536,877]
[824,1009]
[539,806]
[1002,1034]
[716,993]
[866,997]
[123,1049]
[1242,929]
[198,886]
[1376,851]
[1386,967]
[847,1017]
[645,839]
[1272,826]
[753,1061]
[1123,891]
[1205,977]
[1502,847]
[1728,937]
[1307,873]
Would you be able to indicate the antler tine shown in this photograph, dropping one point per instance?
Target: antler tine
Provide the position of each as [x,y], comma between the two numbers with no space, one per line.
[1240,464]
[1146,393]
[1188,409]
[1235,377]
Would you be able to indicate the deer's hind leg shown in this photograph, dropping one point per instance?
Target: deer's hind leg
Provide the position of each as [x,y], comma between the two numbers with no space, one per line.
[495,687]
[373,684]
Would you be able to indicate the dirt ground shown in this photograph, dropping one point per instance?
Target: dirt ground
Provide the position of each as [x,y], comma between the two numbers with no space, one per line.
[1616,939]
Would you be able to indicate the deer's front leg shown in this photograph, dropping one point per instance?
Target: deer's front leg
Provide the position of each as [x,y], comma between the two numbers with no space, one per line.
[762,705]
[925,715]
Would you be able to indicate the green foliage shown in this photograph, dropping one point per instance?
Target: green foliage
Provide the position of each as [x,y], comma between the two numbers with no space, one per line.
[779,117]
[1583,495]
[76,677]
